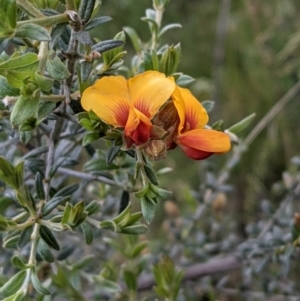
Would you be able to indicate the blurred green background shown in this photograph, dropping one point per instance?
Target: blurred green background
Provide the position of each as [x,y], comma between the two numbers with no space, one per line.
[260,63]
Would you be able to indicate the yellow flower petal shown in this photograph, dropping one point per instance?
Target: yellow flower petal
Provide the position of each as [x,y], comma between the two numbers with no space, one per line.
[149,91]
[196,116]
[138,128]
[180,107]
[205,140]
[109,99]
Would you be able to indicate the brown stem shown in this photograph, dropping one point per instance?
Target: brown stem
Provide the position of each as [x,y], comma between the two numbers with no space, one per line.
[211,267]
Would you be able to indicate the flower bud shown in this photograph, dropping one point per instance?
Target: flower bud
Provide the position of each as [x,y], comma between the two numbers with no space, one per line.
[166,117]
[155,149]
[170,59]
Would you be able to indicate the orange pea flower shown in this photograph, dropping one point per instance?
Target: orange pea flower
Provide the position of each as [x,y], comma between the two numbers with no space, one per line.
[129,104]
[197,142]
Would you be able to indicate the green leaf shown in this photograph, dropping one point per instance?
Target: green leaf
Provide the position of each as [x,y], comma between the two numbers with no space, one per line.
[241,125]
[107,45]
[48,237]
[135,229]
[53,203]
[89,138]
[144,191]
[9,7]
[67,213]
[33,31]
[218,125]
[184,80]
[136,42]
[208,105]
[45,108]
[112,153]
[130,280]
[109,225]
[125,198]
[85,261]
[85,70]
[19,174]
[107,285]
[21,62]
[13,284]
[25,136]
[56,68]
[151,174]
[92,207]
[3,223]
[18,262]
[4,43]
[67,191]
[41,289]
[19,296]
[96,22]
[7,173]
[170,59]
[36,152]
[87,233]
[168,27]
[86,9]
[113,55]
[24,108]
[134,218]
[43,82]
[6,89]
[44,251]
[87,124]
[11,242]
[138,248]
[159,192]
[148,209]
[24,237]
[39,186]
[124,215]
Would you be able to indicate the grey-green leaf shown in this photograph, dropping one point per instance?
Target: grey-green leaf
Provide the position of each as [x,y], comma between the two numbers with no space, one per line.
[56,68]
[13,284]
[44,251]
[41,289]
[24,108]
[33,31]
[49,238]
[148,209]
[87,233]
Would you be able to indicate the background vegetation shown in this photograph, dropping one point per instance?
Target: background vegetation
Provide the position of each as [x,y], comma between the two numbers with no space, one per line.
[230,223]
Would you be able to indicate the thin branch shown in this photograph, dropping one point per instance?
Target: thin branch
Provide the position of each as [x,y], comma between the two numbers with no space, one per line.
[277,108]
[238,151]
[86,176]
[50,158]
[70,5]
[215,266]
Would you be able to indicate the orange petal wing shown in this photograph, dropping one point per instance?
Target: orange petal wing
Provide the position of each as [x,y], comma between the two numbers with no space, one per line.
[205,141]
[196,116]
[109,99]
[138,127]
[149,91]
